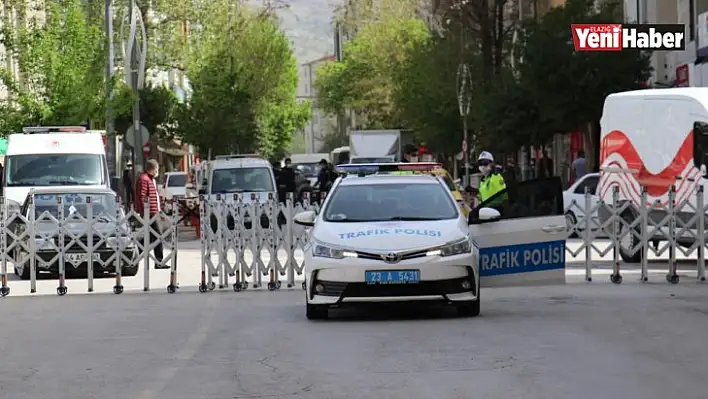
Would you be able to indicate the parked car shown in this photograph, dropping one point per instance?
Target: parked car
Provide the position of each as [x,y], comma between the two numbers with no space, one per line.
[574,202]
[110,239]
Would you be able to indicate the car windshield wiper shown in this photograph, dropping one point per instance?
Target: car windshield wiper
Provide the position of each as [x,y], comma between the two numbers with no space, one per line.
[411,218]
[229,191]
[66,182]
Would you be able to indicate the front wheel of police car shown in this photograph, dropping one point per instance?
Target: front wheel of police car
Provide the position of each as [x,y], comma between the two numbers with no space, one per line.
[389,239]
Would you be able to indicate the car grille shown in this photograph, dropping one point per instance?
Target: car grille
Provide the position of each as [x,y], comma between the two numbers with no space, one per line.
[423,288]
[407,256]
[70,245]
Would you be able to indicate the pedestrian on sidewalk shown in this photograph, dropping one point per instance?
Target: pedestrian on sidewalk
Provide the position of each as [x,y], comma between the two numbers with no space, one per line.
[146,188]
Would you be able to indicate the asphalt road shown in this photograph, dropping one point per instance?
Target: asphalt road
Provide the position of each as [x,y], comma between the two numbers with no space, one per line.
[189,271]
[575,341]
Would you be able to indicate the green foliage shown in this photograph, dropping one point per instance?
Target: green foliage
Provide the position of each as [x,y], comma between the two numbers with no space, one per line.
[244,84]
[366,80]
[427,94]
[61,63]
[159,108]
[558,90]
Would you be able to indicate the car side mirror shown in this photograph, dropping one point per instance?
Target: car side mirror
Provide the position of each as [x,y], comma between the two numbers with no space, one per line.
[484,215]
[306,218]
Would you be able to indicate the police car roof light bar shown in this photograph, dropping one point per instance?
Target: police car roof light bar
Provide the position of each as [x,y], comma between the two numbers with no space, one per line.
[363,169]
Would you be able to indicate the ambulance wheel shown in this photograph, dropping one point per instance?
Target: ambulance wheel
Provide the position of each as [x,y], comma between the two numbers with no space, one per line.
[628,241]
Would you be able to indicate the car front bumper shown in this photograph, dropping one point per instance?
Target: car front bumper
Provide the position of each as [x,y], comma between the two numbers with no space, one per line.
[449,279]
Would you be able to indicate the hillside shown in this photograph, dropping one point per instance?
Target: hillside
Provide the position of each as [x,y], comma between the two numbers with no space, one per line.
[308,24]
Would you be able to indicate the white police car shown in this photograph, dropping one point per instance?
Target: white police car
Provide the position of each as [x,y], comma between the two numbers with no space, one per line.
[389,238]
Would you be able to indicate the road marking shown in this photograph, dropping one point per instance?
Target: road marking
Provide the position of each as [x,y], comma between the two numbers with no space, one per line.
[195,341]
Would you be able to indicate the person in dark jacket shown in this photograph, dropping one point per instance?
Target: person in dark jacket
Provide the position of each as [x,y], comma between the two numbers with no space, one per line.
[128,185]
[286,182]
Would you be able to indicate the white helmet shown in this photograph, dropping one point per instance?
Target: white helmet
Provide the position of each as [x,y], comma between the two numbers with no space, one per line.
[486,156]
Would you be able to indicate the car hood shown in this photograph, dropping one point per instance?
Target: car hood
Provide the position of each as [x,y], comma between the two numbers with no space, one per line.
[76,228]
[390,236]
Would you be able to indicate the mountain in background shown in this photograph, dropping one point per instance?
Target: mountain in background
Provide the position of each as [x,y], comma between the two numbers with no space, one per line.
[308,24]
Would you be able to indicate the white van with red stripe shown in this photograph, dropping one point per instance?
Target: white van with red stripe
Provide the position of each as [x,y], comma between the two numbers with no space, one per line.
[654,139]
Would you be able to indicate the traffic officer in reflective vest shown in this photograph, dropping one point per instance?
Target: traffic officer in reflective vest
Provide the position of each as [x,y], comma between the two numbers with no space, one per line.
[492,181]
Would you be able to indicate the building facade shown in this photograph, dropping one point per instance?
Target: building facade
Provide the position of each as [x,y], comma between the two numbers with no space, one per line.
[321,124]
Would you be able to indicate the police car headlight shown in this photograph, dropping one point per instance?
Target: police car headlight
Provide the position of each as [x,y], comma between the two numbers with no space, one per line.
[325,251]
[457,247]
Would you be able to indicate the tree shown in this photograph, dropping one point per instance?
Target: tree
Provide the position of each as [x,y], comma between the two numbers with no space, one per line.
[568,93]
[365,80]
[244,85]
[159,108]
[426,93]
[60,64]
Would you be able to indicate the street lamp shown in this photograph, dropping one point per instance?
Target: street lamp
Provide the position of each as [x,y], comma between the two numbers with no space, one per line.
[134,47]
[464,97]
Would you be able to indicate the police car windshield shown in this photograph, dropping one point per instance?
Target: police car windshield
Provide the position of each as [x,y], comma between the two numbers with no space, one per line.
[40,170]
[103,205]
[242,180]
[383,202]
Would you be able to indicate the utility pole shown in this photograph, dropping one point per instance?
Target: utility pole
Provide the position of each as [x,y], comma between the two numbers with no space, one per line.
[110,57]
[137,137]
[339,53]
[463,99]
[134,46]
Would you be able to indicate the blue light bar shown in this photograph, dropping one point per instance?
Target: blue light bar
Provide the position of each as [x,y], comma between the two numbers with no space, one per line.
[373,168]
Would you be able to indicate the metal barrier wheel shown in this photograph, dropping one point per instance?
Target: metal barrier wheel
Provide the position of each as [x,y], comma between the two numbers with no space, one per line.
[673,278]
[237,287]
[118,289]
[244,285]
[271,286]
[616,279]
[212,286]
[4,291]
[278,284]
[61,291]
[171,289]
[203,288]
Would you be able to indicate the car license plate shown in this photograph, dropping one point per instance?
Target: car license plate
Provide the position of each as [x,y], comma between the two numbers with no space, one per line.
[80,258]
[392,276]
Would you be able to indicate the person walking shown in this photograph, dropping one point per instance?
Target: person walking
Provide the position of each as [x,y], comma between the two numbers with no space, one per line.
[128,185]
[286,182]
[146,189]
[579,166]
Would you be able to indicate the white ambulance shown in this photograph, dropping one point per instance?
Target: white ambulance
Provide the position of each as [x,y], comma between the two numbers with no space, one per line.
[49,156]
[655,139]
